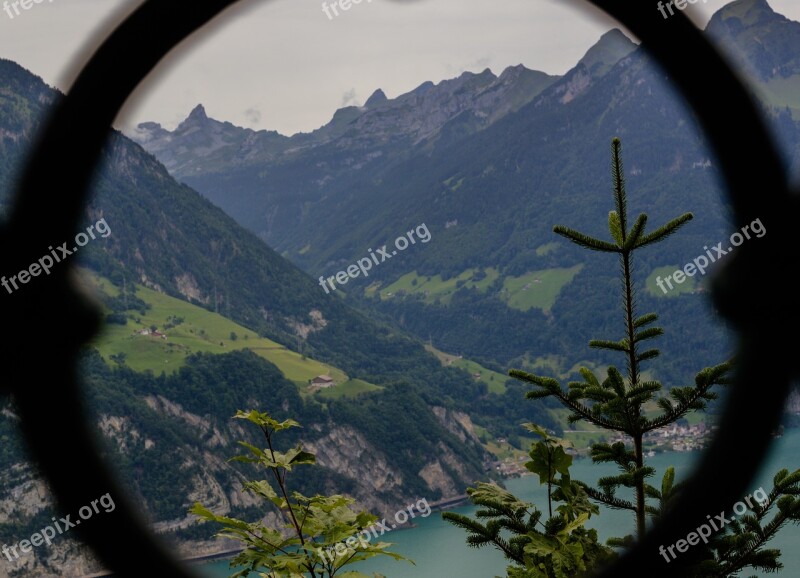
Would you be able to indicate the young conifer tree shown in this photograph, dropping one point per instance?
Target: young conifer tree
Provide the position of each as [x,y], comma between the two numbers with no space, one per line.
[617,404]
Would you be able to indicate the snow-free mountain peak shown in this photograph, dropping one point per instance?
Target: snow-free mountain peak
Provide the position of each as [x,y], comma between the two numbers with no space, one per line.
[378,97]
[612,47]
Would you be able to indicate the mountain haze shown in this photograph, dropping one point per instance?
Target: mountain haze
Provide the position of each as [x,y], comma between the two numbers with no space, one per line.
[209,281]
[490,192]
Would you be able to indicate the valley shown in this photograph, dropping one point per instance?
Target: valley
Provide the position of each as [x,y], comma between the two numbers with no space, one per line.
[242,274]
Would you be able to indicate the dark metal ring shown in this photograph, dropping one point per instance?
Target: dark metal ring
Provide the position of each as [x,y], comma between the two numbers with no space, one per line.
[58,174]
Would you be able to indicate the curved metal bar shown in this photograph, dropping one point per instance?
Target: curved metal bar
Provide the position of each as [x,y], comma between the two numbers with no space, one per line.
[48,204]
[58,174]
[758,189]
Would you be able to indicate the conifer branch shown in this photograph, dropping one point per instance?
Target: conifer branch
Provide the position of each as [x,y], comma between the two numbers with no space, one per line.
[609,500]
[636,232]
[585,240]
[645,320]
[551,387]
[665,231]
[691,398]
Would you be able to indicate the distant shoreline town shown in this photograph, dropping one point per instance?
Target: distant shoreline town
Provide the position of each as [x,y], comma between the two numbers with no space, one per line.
[678,438]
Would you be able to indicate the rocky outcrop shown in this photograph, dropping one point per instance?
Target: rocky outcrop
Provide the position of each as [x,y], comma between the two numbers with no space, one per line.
[349,457]
[457,423]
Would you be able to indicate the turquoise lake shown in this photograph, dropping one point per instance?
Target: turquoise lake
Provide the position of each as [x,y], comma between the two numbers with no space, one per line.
[439,549]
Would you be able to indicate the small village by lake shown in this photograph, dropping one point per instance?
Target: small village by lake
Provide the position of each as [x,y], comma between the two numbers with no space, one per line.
[677,438]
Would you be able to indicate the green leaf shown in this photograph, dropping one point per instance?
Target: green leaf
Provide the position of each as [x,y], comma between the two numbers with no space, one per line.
[536,429]
[264,421]
[256,451]
[298,456]
[262,488]
[547,461]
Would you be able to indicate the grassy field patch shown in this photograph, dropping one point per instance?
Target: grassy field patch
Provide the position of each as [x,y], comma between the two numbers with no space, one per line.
[688,286]
[433,288]
[546,249]
[537,288]
[496,382]
[350,388]
[190,329]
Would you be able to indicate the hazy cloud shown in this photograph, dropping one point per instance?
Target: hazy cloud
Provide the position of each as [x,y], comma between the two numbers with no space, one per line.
[349,98]
[478,65]
[253,115]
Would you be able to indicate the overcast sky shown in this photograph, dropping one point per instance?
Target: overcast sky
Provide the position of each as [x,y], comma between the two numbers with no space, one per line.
[284,65]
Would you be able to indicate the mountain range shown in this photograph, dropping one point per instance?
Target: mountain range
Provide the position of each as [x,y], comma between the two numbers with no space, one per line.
[490,163]
[209,280]
[203,319]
